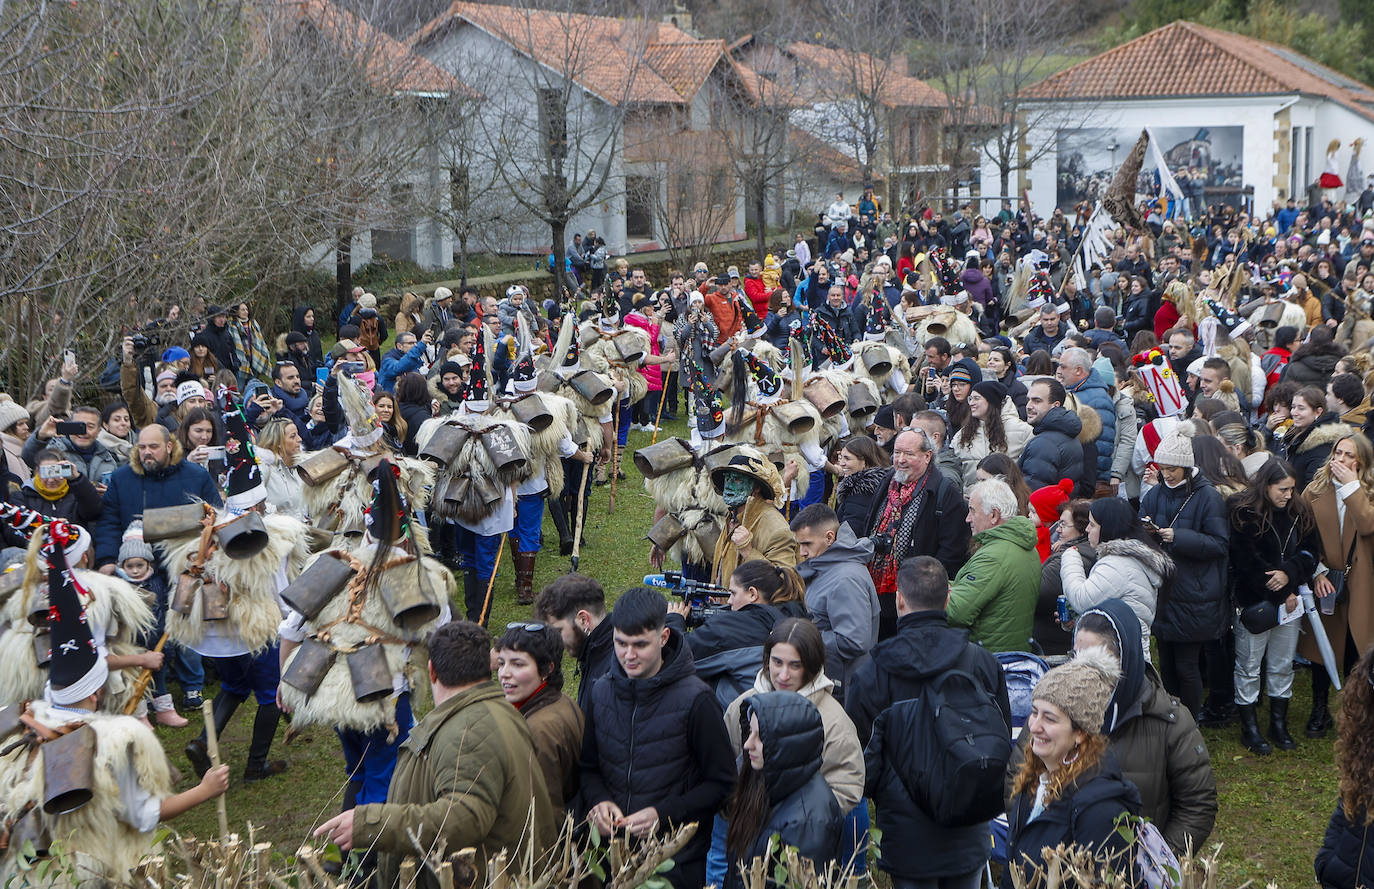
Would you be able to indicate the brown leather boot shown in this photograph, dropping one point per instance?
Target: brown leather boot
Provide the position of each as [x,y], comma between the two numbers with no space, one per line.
[524,578]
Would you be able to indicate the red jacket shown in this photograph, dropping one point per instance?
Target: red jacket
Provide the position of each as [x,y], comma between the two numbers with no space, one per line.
[721,305]
[1165,319]
[757,291]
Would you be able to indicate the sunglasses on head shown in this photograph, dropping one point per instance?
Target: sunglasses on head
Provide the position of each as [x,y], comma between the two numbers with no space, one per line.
[527,627]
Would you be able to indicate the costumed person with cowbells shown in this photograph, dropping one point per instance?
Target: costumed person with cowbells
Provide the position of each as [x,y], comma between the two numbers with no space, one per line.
[79,786]
[753,529]
[355,618]
[226,606]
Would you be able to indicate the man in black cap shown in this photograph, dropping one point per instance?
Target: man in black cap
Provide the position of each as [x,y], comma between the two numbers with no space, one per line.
[298,353]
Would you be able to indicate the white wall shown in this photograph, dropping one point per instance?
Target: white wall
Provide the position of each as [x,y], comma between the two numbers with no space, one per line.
[1255,115]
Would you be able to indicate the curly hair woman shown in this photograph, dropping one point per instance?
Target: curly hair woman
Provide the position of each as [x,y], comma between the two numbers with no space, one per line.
[1346,859]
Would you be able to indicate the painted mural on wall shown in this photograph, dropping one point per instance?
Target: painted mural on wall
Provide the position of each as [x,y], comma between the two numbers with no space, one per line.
[1198,157]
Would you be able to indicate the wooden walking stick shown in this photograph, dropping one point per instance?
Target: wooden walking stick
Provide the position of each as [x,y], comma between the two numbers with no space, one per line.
[141,684]
[659,413]
[581,511]
[491,581]
[615,454]
[207,709]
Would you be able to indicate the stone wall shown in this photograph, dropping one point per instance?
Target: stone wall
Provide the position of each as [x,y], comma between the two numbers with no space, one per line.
[656,265]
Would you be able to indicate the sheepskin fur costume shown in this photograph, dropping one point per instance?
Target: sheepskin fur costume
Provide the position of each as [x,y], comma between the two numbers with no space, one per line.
[334,702]
[254,612]
[599,353]
[103,847]
[890,383]
[688,494]
[116,608]
[544,445]
[587,429]
[472,464]
[338,504]
[958,327]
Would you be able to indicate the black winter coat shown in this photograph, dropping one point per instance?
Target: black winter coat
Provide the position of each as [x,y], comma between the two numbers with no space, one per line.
[221,345]
[802,807]
[1313,365]
[728,648]
[598,653]
[1258,547]
[941,530]
[1084,815]
[1054,452]
[659,742]
[1345,860]
[854,497]
[1016,391]
[80,505]
[1309,448]
[1197,605]
[924,647]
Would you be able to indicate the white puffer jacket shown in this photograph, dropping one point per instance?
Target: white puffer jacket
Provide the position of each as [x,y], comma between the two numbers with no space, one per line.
[1125,569]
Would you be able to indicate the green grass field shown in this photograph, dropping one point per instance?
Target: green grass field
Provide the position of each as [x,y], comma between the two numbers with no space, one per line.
[1273,809]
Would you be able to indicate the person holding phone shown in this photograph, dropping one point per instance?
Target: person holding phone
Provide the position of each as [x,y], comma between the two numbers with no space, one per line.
[75,439]
[200,440]
[58,489]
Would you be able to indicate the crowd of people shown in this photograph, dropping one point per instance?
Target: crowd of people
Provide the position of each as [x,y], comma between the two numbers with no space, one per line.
[932,471]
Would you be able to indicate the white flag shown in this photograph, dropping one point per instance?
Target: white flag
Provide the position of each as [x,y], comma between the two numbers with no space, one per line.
[1166,179]
[1096,245]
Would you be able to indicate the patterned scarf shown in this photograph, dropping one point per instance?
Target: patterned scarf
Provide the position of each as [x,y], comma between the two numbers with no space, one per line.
[898,520]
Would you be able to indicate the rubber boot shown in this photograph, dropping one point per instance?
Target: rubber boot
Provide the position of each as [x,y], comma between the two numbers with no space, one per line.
[1320,721]
[524,578]
[1249,731]
[559,515]
[1217,715]
[165,712]
[474,594]
[264,730]
[197,752]
[1278,724]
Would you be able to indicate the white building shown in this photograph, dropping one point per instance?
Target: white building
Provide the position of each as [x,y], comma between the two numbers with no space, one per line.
[1253,119]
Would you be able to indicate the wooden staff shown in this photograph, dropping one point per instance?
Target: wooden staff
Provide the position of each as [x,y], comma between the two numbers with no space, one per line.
[141,685]
[615,451]
[491,581]
[657,415]
[581,511]
[207,709]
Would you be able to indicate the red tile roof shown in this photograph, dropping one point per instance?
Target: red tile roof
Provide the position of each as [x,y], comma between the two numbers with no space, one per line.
[617,60]
[897,90]
[1188,59]
[390,65]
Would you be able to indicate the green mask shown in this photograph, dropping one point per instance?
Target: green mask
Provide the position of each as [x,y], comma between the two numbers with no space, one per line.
[736,489]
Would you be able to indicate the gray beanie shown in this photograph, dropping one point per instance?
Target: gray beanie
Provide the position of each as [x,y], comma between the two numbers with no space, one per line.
[133,546]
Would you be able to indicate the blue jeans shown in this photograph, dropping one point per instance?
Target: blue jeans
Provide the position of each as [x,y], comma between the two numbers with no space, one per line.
[622,431]
[251,674]
[815,492]
[526,536]
[478,551]
[369,759]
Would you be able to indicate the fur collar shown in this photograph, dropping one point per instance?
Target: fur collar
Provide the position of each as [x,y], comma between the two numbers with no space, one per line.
[1150,558]
[1323,433]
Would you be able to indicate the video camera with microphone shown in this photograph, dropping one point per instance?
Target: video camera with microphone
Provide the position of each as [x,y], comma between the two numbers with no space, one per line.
[696,594]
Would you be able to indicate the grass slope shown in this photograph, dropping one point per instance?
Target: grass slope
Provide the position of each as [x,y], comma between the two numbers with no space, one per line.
[1273,809]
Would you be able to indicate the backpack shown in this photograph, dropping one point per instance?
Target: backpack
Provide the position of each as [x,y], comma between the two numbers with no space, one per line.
[966,745]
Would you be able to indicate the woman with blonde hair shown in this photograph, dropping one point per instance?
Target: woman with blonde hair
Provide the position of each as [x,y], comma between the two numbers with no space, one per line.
[1070,790]
[1342,498]
[278,446]
[389,415]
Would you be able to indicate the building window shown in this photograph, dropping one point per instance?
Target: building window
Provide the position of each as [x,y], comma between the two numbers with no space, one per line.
[720,189]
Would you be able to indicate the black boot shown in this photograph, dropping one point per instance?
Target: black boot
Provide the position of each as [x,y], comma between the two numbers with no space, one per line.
[196,751]
[1278,724]
[1217,715]
[474,594]
[264,730]
[559,515]
[1320,721]
[1249,731]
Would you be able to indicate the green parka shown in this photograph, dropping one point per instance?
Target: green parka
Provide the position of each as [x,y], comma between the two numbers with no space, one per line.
[994,593]
[466,776]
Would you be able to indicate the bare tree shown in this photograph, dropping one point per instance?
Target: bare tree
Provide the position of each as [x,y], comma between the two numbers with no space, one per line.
[154,154]
[561,83]
[472,210]
[692,197]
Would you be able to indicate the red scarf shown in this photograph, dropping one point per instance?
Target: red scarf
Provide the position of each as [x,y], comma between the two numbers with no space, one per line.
[884,568]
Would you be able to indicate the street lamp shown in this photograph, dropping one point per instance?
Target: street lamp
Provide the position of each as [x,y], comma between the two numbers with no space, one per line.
[1112,147]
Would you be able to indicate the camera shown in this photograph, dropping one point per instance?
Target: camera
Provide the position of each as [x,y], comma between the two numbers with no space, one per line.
[882,544]
[695,593]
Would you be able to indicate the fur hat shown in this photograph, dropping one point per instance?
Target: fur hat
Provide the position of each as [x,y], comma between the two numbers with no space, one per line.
[1082,688]
[11,412]
[1175,449]
[78,668]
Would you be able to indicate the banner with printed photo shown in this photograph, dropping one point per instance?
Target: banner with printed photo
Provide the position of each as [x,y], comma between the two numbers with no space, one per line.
[1198,157]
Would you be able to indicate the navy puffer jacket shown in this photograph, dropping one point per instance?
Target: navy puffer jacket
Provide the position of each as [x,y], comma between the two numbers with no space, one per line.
[1053,452]
[1094,392]
[1344,862]
[1197,607]
[801,807]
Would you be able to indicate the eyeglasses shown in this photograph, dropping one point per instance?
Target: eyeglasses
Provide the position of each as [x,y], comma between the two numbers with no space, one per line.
[529,628]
